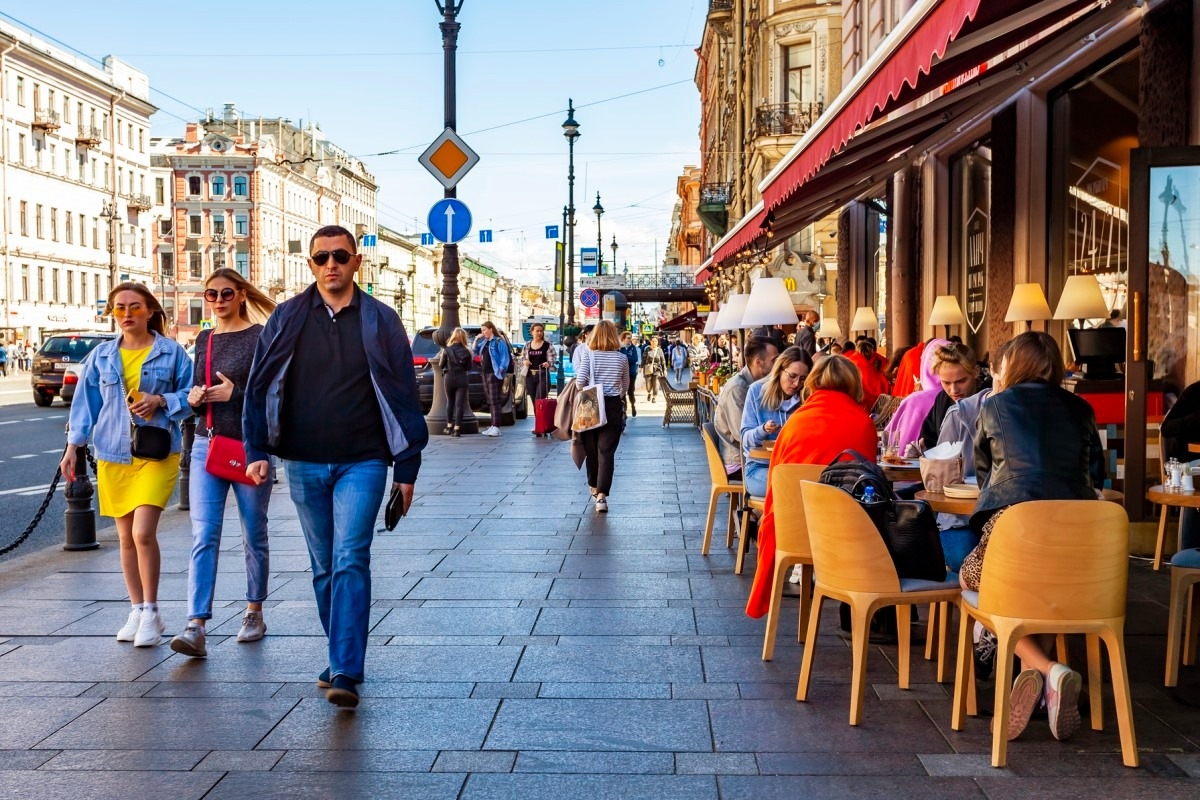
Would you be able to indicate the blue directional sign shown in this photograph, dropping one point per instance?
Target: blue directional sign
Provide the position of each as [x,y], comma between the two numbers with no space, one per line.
[589,298]
[449,220]
[370,240]
[551,231]
[485,236]
[427,239]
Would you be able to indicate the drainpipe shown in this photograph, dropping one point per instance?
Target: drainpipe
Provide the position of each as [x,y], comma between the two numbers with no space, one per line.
[4,223]
[113,229]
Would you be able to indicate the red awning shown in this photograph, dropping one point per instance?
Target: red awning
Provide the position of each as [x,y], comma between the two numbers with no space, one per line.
[691,319]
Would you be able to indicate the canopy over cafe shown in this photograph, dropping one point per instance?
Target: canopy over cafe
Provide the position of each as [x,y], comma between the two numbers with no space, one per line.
[1022,158]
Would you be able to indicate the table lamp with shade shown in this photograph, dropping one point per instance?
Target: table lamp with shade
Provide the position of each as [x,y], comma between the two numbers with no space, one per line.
[711,328]
[769,304]
[1081,299]
[1027,304]
[865,320]
[830,327]
[946,311]
[730,318]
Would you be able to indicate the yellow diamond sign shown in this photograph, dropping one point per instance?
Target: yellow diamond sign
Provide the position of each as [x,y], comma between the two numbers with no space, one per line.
[448,159]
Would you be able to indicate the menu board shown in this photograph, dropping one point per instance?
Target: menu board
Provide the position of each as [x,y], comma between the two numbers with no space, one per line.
[975,243]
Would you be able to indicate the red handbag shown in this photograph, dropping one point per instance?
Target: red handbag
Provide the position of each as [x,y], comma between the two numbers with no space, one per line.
[226,456]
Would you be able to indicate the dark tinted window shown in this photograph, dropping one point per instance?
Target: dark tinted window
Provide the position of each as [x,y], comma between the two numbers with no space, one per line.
[74,346]
[423,344]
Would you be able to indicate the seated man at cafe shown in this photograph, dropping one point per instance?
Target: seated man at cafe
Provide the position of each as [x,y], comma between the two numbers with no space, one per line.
[760,356]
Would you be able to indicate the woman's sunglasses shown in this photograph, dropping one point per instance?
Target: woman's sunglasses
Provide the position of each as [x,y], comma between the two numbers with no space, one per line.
[340,255]
[225,294]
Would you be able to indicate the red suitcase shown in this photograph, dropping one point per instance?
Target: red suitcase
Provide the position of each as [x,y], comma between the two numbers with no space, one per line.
[543,408]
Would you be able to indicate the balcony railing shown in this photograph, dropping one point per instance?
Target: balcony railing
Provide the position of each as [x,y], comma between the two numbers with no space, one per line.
[713,211]
[139,202]
[87,136]
[692,238]
[786,119]
[46,119]
[718,7]
[714,193]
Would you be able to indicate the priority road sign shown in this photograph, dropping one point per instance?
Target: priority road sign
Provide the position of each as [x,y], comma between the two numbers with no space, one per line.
[589,298]
[449,220]
[448,159]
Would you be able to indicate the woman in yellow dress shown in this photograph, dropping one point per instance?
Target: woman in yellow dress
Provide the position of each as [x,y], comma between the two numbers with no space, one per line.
[140,378]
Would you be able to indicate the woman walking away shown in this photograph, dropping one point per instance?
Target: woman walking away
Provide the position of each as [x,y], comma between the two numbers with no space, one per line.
[141,380]
[457,365]
[539,361]
[494,358]
[607,366]
[222,367]
[1035,441]
[654,367]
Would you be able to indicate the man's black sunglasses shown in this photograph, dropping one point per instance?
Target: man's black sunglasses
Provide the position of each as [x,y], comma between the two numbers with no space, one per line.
[341,256]
[226,294]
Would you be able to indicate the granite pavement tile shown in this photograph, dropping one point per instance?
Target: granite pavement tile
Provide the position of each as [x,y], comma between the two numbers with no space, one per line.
[595,762]
[634,725]
[385,724]
[850,788]
[487,562]
[502,588]
[156,760]
[81,659]
[24,759]
[355,760]
[620,586]
[615,621]
[1133,787]
[323,785]
[105,785]
[239,760]
[556,787]
[43,689]
[851,763]
[42,622]
[472,761]
[26,721]
[589,664]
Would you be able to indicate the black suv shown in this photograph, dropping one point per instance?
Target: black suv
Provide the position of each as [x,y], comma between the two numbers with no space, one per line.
[425,351]
[55,365]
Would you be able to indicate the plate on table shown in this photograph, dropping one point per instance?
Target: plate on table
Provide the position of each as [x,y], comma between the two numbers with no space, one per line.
[908,463]
[962,491]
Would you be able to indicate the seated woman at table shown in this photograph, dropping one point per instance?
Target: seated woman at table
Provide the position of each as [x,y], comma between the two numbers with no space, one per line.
[957,374]
[874,383]
[768,403]
[830,420]
[905,426]
[1036,441]
[1181,427]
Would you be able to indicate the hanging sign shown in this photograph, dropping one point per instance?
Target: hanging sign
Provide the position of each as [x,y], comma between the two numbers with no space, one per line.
[975,243]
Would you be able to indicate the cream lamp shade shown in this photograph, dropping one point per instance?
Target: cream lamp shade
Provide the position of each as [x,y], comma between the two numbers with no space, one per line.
[865,319]
[769,304]
[1081,299]
[946,311]
[830,329]
[1027,304]
[710,324]
[730,318]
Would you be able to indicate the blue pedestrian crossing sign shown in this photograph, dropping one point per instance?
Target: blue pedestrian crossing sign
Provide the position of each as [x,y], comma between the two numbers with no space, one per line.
[449,220]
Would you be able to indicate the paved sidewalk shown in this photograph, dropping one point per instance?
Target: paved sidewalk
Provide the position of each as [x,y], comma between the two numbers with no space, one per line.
[522,646]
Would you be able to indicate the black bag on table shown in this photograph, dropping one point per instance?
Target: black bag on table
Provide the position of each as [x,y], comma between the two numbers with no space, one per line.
[908,527]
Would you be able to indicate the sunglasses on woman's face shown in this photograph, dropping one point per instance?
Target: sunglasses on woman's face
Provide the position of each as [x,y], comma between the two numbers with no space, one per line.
[225,294]
[341,256]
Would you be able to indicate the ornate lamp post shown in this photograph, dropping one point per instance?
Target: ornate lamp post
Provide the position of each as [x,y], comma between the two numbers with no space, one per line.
[614,261]
[599,209]
[571,131]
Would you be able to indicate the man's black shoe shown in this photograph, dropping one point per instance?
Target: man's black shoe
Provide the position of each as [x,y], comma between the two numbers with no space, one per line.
[323,679]
[342,692]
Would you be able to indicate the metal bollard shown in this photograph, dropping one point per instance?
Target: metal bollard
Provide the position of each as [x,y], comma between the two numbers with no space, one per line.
[80,517]
[185,463]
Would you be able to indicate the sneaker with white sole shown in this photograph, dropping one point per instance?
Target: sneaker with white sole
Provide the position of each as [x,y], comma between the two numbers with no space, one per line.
[1062,701]
[254,627]
[492,431]
[130,628]
[150,630]
[602,505]
[191,642]
[1023,701]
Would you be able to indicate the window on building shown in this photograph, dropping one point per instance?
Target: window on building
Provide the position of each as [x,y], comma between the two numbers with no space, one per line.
[82,230]
[68,228]
[194,224]
[195,312]
[83,298]
[218,224]
[20,90]
[54,296]
[798,74]
[164,227]
[70,287]
[53,224]
[120,138]
[141,140]
[218,259]
[95,233]
[106,176]
[241,225]
[104,125]
[41,284]
[37,221]
[241,186]
[24,218]
[25,282]
[79,113]
[66,109]
[196,265]
[96,287]
[242,263]
[218,185]
[82,162]
[160,192]
[21,149]
[169,311]
[166,263]
[194,184]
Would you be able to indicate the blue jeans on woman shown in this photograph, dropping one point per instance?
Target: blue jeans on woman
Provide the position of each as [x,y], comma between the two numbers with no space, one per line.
[207,494]
[338,505]
[755,477]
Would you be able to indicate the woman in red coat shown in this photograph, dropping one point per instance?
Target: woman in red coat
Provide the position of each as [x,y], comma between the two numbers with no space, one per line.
[829,421]
[874,382]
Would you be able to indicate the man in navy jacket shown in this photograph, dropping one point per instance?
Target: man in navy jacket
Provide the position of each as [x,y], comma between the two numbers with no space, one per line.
[333,392]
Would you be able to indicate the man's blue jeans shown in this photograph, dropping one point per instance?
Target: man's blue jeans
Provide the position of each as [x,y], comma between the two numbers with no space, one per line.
[207,494]
[338,504]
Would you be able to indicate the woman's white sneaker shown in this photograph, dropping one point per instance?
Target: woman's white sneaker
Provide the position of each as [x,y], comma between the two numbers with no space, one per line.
[601,505]
[130,628]
[150,630]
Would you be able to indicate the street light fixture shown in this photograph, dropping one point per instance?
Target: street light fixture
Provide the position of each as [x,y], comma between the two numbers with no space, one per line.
[614,261]
[110,213]
[571,131]
[599,209]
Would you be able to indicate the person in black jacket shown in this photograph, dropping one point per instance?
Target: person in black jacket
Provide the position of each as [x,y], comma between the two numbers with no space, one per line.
[1036,441]
[456,366]
[1180,427]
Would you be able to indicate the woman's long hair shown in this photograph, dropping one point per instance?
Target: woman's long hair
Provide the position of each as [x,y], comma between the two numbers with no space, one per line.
[1033,357]
[773,395]
[834,373]
[459,336]
[158,317]
[257,307]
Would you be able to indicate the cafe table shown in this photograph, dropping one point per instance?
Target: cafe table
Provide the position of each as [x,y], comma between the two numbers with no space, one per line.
[1182,498]
[763,453]
[963,506]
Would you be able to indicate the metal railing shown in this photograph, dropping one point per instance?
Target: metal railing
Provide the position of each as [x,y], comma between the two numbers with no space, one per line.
[88,135]
[715,193]
[670,281]
[45,118]
[786,119]
[139,202]
[720,6]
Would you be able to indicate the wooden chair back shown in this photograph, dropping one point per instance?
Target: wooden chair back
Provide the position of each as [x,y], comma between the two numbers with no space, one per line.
[1057,560]
[712,452]
[791,525]
[848,552]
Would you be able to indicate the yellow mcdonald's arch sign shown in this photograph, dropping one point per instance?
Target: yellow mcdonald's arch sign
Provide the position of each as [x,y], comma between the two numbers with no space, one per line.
[789,284]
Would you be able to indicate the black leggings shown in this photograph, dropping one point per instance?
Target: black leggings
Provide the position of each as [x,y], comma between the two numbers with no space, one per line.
[460,403]
[600,446]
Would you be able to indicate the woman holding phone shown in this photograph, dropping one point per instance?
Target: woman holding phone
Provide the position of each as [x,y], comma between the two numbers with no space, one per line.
[138,380]
[222,367]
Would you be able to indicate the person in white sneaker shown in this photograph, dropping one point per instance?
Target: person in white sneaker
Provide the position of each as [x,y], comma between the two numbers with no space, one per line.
[606,365]
[495,359]
[140,378]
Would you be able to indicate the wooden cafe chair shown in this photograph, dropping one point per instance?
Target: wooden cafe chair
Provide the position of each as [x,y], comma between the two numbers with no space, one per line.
[721,486]
[791,545]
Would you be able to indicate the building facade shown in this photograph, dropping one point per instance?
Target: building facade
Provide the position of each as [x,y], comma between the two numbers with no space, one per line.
[74,178]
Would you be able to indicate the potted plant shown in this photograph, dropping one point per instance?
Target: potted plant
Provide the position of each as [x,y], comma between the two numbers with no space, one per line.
[721,375]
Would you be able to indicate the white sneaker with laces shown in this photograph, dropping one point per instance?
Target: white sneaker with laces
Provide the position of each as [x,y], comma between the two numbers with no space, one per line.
[491,431]
[601,504]
[150,630]
[130,628]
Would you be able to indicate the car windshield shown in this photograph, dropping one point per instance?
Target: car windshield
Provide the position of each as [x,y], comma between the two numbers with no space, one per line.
[75,347]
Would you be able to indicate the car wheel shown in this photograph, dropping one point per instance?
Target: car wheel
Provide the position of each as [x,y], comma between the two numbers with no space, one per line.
[43,400]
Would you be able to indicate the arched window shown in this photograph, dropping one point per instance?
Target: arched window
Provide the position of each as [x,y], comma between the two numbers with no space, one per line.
[241,186]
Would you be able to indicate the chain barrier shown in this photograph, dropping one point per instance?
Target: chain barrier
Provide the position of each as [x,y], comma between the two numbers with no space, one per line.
[41,512]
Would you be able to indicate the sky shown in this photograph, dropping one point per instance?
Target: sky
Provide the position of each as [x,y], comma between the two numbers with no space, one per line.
[370,74]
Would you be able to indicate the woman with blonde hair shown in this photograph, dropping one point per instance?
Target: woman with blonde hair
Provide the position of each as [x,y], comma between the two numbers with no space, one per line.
[607,366]
[456,366]
[768,403]
[134,382]
[221,371]
[957,372]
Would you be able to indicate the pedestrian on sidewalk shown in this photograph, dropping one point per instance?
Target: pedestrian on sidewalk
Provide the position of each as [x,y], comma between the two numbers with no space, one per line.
[609,367]
[140,378]
[679,360]
[655,368]
[3,361]
[539,361]
[333,392]
[495,359]
[221,371]
[457,365]
[634,357]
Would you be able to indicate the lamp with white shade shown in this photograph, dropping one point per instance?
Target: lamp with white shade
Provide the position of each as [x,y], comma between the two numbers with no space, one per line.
[711,328]
[1027,304]
[1081,299]
[865,320]
[769,304]
[730,318]
[830,327]
[946,311]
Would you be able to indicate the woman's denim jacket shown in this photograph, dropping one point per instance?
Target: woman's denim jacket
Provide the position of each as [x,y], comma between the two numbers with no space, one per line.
[99,411]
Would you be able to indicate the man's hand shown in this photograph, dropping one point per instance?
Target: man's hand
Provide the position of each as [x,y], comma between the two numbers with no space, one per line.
[406,495]
[259,472]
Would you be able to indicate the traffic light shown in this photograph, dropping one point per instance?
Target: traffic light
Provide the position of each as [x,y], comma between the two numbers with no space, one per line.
[371,289]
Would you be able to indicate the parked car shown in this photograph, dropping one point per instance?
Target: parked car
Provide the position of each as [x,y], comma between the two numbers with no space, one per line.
[425,352]
[52,370]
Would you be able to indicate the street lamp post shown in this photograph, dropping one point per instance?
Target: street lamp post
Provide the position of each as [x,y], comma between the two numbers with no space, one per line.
[571,131]
[599,209]
[562,304]
[614,261]
[110,213]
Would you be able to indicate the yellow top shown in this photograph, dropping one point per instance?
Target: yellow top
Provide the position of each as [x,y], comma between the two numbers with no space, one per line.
[131,362]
